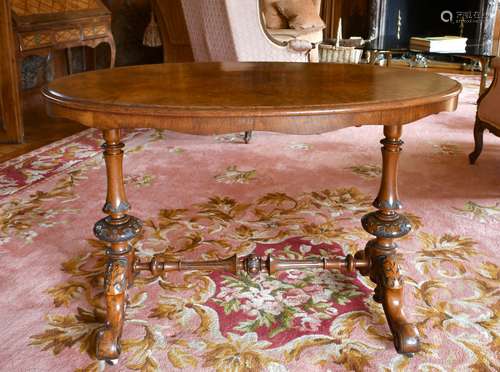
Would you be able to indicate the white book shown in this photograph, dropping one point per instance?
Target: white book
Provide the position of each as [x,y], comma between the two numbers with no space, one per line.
[439,41]
[440,44]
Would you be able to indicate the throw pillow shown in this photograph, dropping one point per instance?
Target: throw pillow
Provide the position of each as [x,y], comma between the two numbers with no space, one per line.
[272,16]
[301,14]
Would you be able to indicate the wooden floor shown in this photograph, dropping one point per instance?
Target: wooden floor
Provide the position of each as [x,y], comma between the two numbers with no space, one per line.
[41,130]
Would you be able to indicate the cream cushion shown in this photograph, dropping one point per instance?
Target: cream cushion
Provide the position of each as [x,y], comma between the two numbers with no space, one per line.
[284,35]
[295,14]
[272,17]
[300,14]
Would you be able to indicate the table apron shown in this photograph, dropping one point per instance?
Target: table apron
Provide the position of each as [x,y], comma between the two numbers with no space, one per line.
[210,125]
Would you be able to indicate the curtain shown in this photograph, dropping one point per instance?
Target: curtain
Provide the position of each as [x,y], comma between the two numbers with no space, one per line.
[330,12]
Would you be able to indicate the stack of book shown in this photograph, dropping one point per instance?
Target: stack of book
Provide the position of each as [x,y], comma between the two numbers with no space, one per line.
[441,44]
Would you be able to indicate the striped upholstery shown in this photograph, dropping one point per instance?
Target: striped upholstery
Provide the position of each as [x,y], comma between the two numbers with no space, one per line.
[231,30]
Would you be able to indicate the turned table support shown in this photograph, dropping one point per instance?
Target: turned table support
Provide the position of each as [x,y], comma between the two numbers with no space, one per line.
[386,224]
[378,260]
[117,230]
[251,264]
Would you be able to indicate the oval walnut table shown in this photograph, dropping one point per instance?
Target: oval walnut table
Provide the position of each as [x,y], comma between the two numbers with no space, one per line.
[214,98]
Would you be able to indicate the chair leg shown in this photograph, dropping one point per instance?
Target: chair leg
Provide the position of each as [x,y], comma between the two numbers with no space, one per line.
[478,141]
[247,137]
[69,60]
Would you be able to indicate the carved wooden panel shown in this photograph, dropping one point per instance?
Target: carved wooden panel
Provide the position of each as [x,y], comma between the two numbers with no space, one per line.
[44,27]
[32,7]
[94,30]
[67,35]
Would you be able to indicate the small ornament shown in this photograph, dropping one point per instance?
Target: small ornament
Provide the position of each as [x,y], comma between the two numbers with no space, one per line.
[152,34]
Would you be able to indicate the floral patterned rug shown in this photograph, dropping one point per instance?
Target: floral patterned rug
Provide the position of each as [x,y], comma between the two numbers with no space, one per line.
[292,196]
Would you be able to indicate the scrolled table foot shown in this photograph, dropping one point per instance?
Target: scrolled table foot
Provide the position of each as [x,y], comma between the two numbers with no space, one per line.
[390,284]
[406,339]
[107,346]
[115,286]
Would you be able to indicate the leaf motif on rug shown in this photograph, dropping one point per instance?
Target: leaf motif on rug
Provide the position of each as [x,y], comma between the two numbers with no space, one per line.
[21,217]
[233,175]
[448,149]
[481,213]
[367,171]
[303,302]
[202,320]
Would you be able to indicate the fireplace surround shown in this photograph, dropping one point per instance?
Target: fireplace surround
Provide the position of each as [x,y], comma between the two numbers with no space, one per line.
[393,22]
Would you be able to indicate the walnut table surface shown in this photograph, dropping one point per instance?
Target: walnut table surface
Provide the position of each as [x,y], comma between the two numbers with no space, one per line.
[214,98]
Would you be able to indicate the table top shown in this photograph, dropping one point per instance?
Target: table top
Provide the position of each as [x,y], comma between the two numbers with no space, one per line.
[211,98]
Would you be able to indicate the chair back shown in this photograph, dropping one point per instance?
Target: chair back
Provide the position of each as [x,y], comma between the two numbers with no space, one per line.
[488,103]
[232,30]
[210,30]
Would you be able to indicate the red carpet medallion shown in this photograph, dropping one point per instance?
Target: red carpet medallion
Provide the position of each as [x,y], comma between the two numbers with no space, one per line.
[292,196]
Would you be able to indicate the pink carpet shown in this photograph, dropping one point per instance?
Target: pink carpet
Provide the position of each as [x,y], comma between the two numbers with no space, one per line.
[207,197]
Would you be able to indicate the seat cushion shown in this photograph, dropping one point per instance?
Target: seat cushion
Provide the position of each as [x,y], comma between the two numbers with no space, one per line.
[313,35]
[300,14]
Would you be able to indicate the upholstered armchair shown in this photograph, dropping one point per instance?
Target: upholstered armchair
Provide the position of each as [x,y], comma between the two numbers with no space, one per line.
[233,30]
[488,113]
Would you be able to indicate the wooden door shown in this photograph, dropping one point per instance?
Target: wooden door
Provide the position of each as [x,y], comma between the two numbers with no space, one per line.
[11,123]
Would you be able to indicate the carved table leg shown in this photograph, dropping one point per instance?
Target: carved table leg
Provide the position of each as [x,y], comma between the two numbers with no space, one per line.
[117,229]
[387,225]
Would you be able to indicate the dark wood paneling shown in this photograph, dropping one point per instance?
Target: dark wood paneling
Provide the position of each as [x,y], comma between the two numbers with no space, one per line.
[10,114]
[173,29]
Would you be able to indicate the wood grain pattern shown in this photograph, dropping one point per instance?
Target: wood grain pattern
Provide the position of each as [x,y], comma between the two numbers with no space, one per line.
[29,7]
[210,98]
